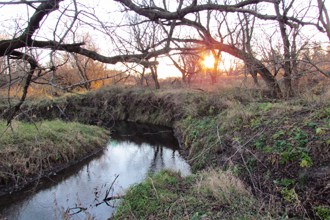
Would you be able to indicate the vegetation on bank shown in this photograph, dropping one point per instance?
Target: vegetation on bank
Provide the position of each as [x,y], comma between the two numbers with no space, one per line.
[278,150]
[29,150]
[211,194]
[281,150]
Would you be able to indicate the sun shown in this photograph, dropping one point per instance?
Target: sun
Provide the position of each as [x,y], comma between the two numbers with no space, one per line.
[208,61]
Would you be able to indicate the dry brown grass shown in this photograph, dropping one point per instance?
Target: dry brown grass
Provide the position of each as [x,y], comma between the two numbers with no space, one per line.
[235,114]
[223,186]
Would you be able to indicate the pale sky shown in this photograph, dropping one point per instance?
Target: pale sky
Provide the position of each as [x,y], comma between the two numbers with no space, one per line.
[14,16]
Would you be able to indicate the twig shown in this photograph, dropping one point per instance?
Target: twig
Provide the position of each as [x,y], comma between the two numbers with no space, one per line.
[248,170]
[80,209]
[108,198]
[153,186]
[239,148]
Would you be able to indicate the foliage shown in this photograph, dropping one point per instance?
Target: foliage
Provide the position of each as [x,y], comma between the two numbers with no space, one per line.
[323,212]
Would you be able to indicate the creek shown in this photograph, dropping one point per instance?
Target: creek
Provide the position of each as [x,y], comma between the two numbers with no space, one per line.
[133,152]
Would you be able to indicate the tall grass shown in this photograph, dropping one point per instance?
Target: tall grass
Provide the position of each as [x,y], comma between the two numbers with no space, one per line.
[27,149]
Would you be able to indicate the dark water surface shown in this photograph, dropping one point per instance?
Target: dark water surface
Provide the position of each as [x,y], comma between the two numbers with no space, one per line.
[133,151]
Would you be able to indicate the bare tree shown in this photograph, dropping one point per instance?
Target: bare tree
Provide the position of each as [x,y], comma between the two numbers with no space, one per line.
[324,16]
[207,40]
[281,13]
[20,46]
[170,24]
[145,38]
[188,63]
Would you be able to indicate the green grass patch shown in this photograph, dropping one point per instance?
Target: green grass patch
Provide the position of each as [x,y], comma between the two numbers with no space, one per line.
[201,140]
[28,149]
[211,194]
[323,212]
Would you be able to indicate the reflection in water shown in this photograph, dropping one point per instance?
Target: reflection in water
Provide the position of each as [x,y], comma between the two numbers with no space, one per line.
[131,157]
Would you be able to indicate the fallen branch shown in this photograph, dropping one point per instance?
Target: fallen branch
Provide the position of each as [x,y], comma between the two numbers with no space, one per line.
[109,199]
[79,209]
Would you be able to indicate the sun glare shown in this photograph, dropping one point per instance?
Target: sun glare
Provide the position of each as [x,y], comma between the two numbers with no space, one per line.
[208,61]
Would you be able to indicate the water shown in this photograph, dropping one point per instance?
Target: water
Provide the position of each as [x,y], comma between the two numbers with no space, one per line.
[132,152]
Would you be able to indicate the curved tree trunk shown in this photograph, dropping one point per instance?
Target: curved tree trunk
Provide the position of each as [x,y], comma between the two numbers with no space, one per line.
[258,66]
[268,78]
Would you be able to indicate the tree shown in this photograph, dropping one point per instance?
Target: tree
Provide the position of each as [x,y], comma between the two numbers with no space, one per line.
[188,64]
[185,24]
[281,13]
[145,36]
[18,47]
[209,39]
[324,16]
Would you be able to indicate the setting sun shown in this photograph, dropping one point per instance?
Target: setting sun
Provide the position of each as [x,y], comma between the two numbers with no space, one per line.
[209,61]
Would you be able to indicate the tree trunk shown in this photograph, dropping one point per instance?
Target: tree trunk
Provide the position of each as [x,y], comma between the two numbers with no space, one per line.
[213,76]
[142,77]
[184,77]
[266,75]
[155,76]
[260,68]
[288,91]
[254,75]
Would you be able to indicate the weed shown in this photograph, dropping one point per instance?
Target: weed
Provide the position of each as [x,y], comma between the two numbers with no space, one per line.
[320,131]
[322,212]
[300,137]
[278,134]
[200,141]
[305,160]
[260,142]
[265,106]
[235,116]
[148,198]
[255,123]
[289,195]
[285,182]
[311,124]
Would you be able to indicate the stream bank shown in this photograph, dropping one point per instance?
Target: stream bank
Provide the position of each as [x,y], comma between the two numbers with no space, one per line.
[94,187]
[277,149]
[30,151]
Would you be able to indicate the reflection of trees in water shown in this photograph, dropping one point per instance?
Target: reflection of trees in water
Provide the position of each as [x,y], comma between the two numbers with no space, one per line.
[157,161]
[143,133]
[156,137]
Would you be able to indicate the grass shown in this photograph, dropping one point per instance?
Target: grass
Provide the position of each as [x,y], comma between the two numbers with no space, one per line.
[201,146]
[253,157]
[211,194]
[28,150]
[274,147]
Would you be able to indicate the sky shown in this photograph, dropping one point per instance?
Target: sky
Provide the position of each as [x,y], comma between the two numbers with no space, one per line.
[15,16]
